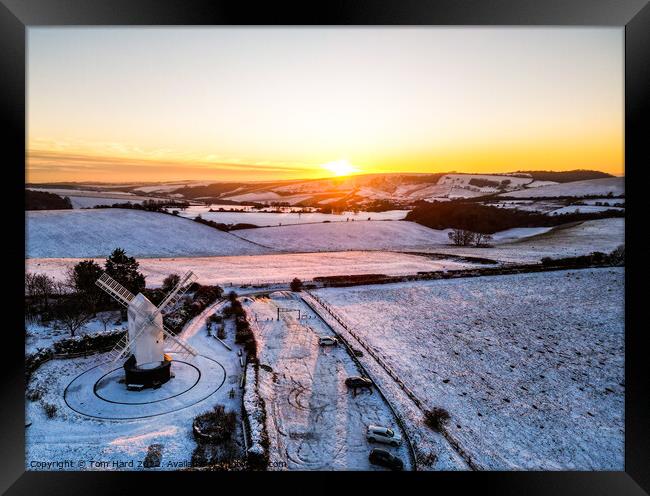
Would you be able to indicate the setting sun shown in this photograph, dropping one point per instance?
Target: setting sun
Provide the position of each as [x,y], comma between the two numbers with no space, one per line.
[340,167]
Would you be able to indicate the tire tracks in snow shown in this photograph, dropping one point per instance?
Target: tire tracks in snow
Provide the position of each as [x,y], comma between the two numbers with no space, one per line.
[363,369]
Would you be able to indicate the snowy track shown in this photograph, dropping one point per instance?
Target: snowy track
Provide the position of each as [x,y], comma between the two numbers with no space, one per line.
[316,423]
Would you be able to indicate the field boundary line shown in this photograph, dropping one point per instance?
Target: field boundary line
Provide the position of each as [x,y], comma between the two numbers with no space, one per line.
[355,359]
[412,396]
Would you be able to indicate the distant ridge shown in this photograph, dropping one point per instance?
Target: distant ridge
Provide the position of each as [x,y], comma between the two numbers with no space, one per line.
[566,176]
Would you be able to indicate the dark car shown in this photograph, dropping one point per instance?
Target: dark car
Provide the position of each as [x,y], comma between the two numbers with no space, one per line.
[383,458]
[358,382]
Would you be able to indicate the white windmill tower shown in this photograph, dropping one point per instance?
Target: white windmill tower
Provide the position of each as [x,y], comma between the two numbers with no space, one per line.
[148,341]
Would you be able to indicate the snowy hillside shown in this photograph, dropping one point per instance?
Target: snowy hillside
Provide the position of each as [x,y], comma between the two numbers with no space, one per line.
[592,187]
[530,382]
[96,233]
[568,240]
[353,235]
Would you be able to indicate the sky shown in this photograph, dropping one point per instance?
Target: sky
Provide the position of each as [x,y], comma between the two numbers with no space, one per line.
[240,104]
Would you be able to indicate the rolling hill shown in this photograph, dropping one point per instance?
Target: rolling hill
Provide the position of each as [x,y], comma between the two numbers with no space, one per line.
[95,233]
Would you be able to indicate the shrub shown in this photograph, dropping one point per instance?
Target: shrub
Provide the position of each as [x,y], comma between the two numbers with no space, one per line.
[34,394]
[216,425]
[221,332]
[296,285]
[153,457]
[436,418]
[461,237]
[50,410]
[476,181]
[170,282]
[617,257]
[257,459]
[34,360]
[88,343]
[215,318]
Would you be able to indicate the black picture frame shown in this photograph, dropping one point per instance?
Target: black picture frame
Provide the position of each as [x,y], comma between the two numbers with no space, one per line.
[632,15]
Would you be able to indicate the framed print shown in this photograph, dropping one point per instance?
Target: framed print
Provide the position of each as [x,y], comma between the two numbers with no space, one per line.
[374,237]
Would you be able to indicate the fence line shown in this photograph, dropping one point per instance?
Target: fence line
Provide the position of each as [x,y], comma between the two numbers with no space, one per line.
[370,351]
[452,441]
[398,416]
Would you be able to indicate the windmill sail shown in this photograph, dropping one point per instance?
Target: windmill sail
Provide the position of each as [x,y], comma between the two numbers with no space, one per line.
[178,292]
[125,297]
[115,289]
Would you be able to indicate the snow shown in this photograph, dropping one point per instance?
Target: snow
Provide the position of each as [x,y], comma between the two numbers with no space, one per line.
[106,196]
[252,408]
[537,184]
[314,422]
[591,187]
[357,235]
[567,240]
[518,233]
[544,373]
[463,181]
[165,188]
[270,218]
[268,196]
[613,202]
[39,335]
[90,201]
[583,209]
[119,443]
[266,268]
[96,233]
[543,206]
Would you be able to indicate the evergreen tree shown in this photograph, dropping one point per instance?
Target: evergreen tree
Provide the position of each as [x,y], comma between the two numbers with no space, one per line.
[124,269]
[83,277]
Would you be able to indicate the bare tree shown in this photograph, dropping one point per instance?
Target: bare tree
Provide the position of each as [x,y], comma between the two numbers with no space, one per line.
[461,237]
[481,239]
[72,314]
[29,284]
[43,287]
[106,318]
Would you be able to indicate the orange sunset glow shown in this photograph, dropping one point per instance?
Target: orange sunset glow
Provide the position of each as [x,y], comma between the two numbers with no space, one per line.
[131,104]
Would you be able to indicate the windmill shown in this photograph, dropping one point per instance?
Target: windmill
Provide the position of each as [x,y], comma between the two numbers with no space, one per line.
[148,341]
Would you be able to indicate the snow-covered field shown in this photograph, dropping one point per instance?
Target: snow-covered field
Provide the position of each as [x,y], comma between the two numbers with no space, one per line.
[543,206]
[530,366]
[583,209]
[591,187]
[96,233]
[93,201]
[266,268]
[314,421]
[81,198]
[268,197]
[603,235]
[284,218]
[357,235]
[463,181]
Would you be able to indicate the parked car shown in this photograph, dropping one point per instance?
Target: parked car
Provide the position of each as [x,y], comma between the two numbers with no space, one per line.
[358,382]
[383,458]
[378,434]
[328,341]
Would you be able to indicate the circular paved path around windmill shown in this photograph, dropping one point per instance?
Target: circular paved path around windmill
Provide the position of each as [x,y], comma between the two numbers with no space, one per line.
[98,392]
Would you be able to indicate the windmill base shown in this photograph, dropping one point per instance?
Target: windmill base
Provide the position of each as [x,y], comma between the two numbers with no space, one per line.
[152,376]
